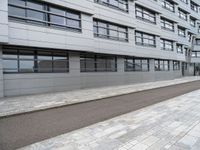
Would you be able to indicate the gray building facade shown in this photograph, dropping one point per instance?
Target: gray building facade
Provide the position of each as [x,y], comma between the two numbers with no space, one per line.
[61,45]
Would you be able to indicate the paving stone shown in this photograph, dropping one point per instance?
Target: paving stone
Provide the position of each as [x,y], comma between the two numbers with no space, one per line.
[178,128]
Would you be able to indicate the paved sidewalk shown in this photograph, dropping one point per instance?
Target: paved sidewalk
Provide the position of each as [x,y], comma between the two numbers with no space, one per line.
[22,104]
[169,125]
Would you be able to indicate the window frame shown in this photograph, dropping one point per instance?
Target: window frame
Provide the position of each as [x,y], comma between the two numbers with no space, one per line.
[35,59]
[47,13]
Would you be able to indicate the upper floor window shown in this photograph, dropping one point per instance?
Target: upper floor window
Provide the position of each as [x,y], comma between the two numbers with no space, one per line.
[182,14]
[179,48]
[192,21]
[181,31]
[36,12]
[194,6]
[145,14]
[110,31]
[136,64]
[17,60]
[98,63]
[162,65]
[145,39]
[196,54]
[116,4]
[168,5]
[185,1]
[197,42]
[167,25]
[166,45]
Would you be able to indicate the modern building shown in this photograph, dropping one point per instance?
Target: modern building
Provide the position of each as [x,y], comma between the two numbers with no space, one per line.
[60,45]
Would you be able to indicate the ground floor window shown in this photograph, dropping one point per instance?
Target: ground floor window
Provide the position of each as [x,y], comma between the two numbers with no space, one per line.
[162,65]
[176,65]
[98,63]
[136,64]
[31,60]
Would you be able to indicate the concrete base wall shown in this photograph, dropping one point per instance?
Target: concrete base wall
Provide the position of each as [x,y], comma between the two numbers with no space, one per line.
[32,83]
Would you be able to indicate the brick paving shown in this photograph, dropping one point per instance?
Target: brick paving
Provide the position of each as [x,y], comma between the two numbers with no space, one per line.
[170,125]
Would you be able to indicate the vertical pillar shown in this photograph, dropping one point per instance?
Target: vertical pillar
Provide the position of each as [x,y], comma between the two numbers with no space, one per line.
[74,64]
[120,65]
[1,74]
[152,66]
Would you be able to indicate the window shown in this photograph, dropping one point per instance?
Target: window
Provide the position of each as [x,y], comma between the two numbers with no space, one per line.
[167,25]
[181,32]
[27,60]
[168,5]
[182,14]
[145,39]
[192,21]
[145,14]
[194,6]
[196,54]
[136,64]
[184,1]
[176,65]
[162,65]
[98,63]
[44,14]
[116,4]
[179,48]
[107,30]
[197,42]
[166,45]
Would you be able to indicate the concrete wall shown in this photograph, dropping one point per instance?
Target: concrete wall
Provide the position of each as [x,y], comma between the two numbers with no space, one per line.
[31,83]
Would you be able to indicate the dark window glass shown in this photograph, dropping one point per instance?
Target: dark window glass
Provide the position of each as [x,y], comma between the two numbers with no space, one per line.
[44,14]
[176,65]
[111,31]
[27,61]
[136,64]
[16,11]
[166,45]
[98,63]
[17,2]
[145,14]
[162,65]
[145,39]
[116,4]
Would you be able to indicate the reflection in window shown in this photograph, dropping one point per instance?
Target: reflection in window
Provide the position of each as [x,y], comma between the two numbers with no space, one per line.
[111,31]
[16,60]
[98,63]
[136,64]
[44,14]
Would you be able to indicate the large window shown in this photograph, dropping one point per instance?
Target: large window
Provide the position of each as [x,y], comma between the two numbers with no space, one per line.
[98,63]
[179,48]
[108,30]
[168,5]
[182,14]
[145,14]
[26,60]
[162,65]
[192,21]
[37,12]
[136,64]
[176,65]
[167,25]
[116,4]
[145,39]
[181,32]
[166,45]
[184,1]
[194,6]
[196,54]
